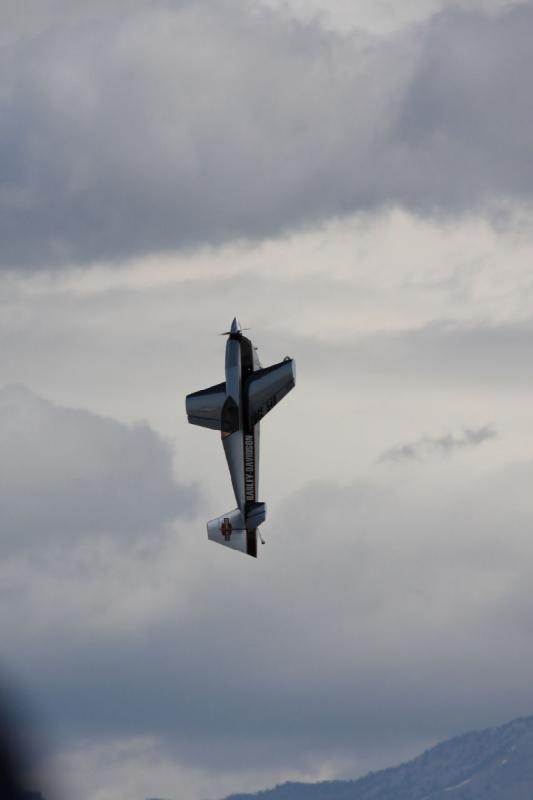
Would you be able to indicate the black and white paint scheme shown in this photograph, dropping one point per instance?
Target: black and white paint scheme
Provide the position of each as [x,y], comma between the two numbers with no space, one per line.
[235,408]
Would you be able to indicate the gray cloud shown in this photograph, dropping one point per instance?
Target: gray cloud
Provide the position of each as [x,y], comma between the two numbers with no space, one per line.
[204,122]
[379,614]
[88,511]
[440,445]
[67,474]
[443,353]
[378,618]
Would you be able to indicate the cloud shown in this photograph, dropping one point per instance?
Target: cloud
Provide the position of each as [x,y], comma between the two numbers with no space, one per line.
[206,122]
[440,445]
[377,16]
[377,619]
[67,473]
[88,508]
[379,616]
[441,353]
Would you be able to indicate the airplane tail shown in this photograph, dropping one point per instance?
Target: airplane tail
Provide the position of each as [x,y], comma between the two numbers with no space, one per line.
[236,531]
[255,514]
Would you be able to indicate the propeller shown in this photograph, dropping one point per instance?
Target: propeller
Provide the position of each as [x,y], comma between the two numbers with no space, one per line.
[235,328]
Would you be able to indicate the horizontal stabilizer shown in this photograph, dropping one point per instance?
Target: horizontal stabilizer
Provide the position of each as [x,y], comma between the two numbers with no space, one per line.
[230,530]
[205,407]
[266,387]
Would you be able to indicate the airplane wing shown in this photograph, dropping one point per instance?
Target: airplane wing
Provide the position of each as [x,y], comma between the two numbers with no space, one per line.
[205,407]
[266,387]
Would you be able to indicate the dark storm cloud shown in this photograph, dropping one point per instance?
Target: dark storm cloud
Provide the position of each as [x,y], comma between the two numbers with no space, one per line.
[203,122]
[66,474]
[465,113]
[439,445]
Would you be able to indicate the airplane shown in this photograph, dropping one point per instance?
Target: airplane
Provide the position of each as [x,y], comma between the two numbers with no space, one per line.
[235,408]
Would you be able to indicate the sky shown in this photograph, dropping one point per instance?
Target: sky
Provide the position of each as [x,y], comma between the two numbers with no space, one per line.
[354,181]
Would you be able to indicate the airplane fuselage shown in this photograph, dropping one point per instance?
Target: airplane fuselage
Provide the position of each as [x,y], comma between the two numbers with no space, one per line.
[241,438]
[235,408]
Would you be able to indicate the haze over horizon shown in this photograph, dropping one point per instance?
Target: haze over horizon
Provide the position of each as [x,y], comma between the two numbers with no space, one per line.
[354,181]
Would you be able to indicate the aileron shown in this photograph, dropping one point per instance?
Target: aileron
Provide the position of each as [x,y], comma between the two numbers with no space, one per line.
[266,387]
[205,407]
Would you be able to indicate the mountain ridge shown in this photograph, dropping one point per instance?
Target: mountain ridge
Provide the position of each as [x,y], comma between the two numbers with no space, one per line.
[491,764]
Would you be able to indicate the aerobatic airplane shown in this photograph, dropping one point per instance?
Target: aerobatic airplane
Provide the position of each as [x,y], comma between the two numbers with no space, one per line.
[235,408]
